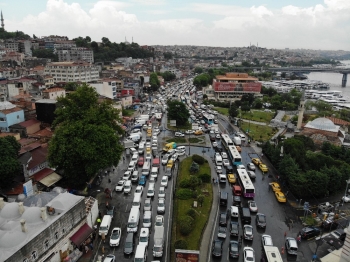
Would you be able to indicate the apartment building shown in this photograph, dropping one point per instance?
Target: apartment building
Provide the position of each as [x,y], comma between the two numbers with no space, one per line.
[72,71]
[109,87]
[75,54]
[54,93]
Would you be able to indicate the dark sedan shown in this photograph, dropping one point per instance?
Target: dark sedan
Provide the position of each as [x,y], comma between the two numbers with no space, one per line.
[217,248]
[260,220]
[234,229]
[309,232]
[234,249]
[223,219]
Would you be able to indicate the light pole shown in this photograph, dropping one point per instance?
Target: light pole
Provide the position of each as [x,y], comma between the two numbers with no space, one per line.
[319,242]
[346,189]
[189,144]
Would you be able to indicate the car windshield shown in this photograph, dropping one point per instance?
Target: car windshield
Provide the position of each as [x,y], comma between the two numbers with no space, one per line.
[248,230]
[146,220]
[160,204]
[128,244]
[234,247]
[261,219]
[252,204]
[115,235]
[159,223]
[143,239]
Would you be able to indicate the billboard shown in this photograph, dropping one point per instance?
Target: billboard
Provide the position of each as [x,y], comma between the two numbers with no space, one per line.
[237,87]
[126,92]
[182,255]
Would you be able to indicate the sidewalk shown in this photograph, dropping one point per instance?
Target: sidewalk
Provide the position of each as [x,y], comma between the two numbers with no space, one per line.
[205,247]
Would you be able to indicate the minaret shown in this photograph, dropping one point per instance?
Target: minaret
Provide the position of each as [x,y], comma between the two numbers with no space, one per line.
[2,21]
[301,110]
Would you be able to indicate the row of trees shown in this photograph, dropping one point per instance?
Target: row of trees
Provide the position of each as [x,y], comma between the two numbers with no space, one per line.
[10,167]
[308,173]
[178,111]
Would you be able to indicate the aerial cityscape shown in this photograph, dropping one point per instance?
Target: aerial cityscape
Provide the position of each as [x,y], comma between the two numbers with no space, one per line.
[174,131]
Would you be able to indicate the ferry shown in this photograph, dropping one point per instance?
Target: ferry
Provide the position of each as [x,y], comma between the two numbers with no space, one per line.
[329,94]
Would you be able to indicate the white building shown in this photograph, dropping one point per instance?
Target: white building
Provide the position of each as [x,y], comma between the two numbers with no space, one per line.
[75,54]
[109,87]
[72,71]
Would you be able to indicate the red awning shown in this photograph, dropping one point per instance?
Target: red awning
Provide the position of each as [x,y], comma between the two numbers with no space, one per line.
[81,235]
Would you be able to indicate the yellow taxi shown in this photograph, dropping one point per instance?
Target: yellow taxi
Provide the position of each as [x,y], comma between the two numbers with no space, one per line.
[231,178]
[275,186]
[148,150]
[280,197]
[256,161]
[170,163]
[198,132]
[239,149]
[263,167]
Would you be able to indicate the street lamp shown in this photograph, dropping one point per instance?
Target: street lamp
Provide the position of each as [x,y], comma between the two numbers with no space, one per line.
[189,144]
[319,242]
[346,189]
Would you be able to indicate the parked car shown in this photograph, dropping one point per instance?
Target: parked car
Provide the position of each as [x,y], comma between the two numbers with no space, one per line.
[309,232]
[250,166]
[179,134]
[120,185]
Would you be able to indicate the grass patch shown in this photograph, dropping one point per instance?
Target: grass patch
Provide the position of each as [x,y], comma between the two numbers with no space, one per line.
[183,128]
[128,112]
[195,140]
[258,132]
[257,115]
[222,110]
[181,207]
[176,140]
[285,118]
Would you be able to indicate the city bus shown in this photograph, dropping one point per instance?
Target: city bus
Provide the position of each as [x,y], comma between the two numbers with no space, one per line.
[226,141]
[209,119]
[248,189]
[234,155]
[272,254]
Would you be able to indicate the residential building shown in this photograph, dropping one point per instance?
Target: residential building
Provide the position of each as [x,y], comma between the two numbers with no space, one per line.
[45,110]
[31,231]
[26,128]
[75,54]
[72,71]
[12,45]
[108,87]
[9,115]
[126,101]
[54,93]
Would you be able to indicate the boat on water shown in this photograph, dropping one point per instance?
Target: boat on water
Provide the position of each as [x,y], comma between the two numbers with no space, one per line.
[284,86]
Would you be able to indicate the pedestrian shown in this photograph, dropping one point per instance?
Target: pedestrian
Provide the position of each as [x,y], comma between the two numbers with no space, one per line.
[123,158]
[106,172]
[103,236]
[99,221]
[213,180]
[91,246]
[109,180]
[285,233]
[86,249]
[299,238]
[113,170]
[107,205]
[282,250]
[99,214]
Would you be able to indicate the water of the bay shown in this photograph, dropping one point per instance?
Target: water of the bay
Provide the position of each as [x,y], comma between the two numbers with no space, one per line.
[333,79]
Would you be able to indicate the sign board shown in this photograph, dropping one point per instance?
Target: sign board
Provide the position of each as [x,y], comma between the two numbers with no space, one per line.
[306,205]
[172,122]
[28,188]
[182,255]
[237,87]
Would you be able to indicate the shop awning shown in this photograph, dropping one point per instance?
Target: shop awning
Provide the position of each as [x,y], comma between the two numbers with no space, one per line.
[50,179]
[81,235]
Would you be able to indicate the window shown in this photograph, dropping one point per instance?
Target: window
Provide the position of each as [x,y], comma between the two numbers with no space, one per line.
[34,255]
[26,260]
[46,244]
[63,231]
[17,116]
[56,235]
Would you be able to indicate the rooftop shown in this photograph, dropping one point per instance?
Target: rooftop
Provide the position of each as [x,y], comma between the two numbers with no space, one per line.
[322,123]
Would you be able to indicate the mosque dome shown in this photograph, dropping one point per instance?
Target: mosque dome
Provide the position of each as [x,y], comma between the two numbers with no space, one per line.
[322,123]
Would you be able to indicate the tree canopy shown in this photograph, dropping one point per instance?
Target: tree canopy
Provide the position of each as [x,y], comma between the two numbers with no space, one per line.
[154,81]
[178,111]
[87,136]
[45,53]
[9,165]
[168,76]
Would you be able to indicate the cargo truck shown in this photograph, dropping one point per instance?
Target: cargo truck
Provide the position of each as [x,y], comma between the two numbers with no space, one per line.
[237,140]
[158,241]
[167,147]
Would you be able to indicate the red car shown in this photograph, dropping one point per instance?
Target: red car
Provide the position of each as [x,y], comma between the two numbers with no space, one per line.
[140,161]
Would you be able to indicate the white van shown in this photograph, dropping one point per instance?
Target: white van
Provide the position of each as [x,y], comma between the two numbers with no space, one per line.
[222,178]
[105,225]
[146,168]
[154,172]
[137,201]
[127,187]
[234,211]
[218,160]
[141,148]
[150,190]
[147,219]
[133,221]
[141,253]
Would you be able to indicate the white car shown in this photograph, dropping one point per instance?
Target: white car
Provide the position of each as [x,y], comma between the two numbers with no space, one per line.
[346,198]
[251,174]
[144,236]
[240,167]
[248,232]
[249,254]
[135,157]
[120,186]
[215,144]
[222,232]
[180,152]
[114,240]
[156,132]
[165,159]
[131,166]
[164,181]
[218,169]
[147,205]
[179,134]
[218,136]
[161,206]
[174,157]
[133,151]
[189,132]
[251,166]
[127,175]
[161,192]
[225,162]
[139,190]
[223,155]
[159,221]
[252,206]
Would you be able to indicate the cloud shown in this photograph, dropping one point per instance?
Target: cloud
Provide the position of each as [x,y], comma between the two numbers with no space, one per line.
[323,26]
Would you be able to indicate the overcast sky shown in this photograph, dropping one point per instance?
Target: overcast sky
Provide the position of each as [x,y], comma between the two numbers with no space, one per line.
[313,24]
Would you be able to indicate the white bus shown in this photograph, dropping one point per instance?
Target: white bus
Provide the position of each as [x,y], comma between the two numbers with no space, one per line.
[248,189]
[226,141]
[272,254]
[234,155]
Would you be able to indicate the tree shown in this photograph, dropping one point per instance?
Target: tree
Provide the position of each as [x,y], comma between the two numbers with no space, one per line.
[198,70]
[168,55]
[9,165]
[178,111]
[142,80]
[205,96]
[71,86]
[168,76]
[233,110]
[45,53]
[87,136]
[154,81]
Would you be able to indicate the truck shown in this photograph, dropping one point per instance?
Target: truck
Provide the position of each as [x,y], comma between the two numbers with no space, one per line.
[237,140]
[129,143]
[167,147]
[214,127]
[158,241]
[158,116]
[135,137]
